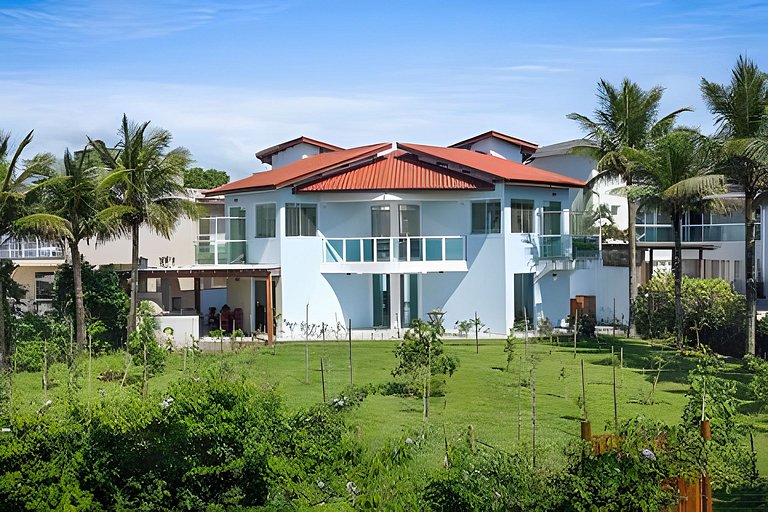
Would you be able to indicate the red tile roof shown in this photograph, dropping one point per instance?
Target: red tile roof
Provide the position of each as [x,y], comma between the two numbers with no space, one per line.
[507,169]
[397,170]
[265,155]
[496,135]
[297,170]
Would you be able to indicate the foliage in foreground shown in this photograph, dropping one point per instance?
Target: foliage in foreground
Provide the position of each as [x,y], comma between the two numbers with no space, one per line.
[713,312]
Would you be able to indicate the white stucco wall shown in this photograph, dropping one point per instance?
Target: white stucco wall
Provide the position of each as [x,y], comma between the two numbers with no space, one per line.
[297,152]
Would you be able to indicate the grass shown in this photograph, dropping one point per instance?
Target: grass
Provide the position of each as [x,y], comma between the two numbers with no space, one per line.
[480,393]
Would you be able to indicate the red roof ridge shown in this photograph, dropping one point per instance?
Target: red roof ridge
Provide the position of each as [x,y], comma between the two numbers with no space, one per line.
[495,166]
[498,135]
[265,155]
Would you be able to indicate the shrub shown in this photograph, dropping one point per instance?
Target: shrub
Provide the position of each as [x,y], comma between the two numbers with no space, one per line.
[713,311]
[32,332]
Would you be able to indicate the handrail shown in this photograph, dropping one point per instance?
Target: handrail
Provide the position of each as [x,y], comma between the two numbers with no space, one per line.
[372,249]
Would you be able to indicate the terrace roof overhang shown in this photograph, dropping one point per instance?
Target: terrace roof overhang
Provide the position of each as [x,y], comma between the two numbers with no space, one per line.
[257,270]
[703,246]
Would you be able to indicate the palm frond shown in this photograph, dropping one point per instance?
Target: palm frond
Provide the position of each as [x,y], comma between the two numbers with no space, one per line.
[44,225]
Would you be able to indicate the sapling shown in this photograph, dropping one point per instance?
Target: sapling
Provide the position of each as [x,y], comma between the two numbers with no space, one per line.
[509,347]
[564,380]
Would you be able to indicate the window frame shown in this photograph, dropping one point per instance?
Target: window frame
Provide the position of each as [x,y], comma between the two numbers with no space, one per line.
[273,225]
[487,221]
[530,220]
[301,208]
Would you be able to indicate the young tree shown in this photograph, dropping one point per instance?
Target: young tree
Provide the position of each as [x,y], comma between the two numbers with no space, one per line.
[741,116]
[625,117]
[70,204]
[146,188]
[420,356]
[677,178]
[17,178]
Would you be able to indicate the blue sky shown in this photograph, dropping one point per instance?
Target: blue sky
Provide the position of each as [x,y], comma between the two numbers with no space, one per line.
[229,78]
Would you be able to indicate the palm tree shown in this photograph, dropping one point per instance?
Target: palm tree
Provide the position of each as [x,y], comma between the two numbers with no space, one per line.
[741,117]
[677,178]
[16,180]
[626,117]
[146,185]
[70,205]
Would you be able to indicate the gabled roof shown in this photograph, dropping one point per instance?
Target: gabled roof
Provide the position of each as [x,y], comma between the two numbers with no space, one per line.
[524,144]
[506,169]
[397,170]
[295,171]
[265,155]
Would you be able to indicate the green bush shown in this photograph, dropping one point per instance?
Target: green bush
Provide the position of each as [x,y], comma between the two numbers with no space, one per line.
[713,311]
[32,333]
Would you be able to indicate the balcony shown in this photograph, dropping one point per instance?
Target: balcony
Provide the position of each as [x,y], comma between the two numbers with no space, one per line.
[395,255]
[694,232]
[30,249]
[220,241]
[569,247]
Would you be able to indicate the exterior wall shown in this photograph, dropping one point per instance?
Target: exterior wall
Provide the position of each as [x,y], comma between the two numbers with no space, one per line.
[297,152]
[498,148]
[24,275]
[239,295]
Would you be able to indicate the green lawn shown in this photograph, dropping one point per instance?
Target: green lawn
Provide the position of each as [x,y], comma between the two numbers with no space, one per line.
[480,393]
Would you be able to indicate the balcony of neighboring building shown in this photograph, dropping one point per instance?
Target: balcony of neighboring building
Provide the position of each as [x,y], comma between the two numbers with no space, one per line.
[221,241]
[30,249]
[656,226]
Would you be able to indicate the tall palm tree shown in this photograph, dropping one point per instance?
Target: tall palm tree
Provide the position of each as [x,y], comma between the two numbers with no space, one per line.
[17,177]
[626,116]
[146,185]
[741,117]
[71,206]
[677,178]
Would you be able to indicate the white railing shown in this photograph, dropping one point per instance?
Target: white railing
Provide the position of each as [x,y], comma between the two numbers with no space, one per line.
[394,249]
[732,232]
[20,249]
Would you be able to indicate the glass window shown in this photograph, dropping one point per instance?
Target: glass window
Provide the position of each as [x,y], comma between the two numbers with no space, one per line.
[300,220]
[522,216]
[380,221]
[552,217]
[265,220]
[44,286]
[486,217]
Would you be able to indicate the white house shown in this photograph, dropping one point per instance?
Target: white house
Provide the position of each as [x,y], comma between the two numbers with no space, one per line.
[385,233]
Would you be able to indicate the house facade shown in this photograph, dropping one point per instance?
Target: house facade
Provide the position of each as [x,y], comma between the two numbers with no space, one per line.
[386,233]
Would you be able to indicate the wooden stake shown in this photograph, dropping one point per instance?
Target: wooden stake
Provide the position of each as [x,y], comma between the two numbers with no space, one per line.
[575,330]
[306,348]
[322,377]
[519,407]
[614,317]
[615,402]
[525,333]
[533,415]
[349,332]
[477,340]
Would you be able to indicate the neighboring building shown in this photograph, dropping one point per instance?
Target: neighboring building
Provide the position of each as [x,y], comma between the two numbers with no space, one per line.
[36,263]
[385,233]
[713,244]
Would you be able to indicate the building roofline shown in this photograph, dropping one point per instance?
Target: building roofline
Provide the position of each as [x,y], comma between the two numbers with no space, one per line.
[265,155]
[496,135]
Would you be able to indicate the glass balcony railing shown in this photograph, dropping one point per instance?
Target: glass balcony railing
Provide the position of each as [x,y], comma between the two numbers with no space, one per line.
[220,241]
[576,247]
[25,248]
[397,249]
[694,233]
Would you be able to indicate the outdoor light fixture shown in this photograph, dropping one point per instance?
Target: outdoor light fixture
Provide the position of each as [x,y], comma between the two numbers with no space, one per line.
[554,276]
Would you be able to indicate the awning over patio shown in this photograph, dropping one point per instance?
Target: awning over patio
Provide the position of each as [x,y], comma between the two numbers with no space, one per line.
[263,271]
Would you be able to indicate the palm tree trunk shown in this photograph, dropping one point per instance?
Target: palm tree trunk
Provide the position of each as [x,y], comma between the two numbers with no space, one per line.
[77,277]
[134,278]
[749,264]
[677,272]
[632,208]
[4,351]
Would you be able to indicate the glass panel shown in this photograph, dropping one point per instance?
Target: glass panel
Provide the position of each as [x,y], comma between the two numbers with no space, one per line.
[522,216]
[478,218]
[382,249]
[551,247]
[434,249]
[380,221]
[402,249]
[494,217]
[204,253]
[523,297]
[334,250]
[409,220]
[204,226]
[416,249]
[551,223]
[309,220]
[292,220]
[454,249]
[380,300]
[584,247]
[265,220]
[353,249]
[235,252]
[44,285]
[367,249]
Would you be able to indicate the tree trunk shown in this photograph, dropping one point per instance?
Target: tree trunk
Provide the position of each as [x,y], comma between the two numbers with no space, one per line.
[77,277]
[632,207]
[4,351]
[134,278]
[749,264]
[677,272]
